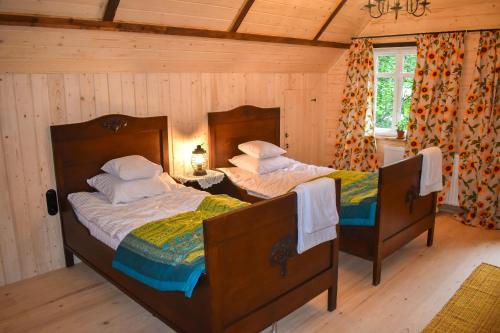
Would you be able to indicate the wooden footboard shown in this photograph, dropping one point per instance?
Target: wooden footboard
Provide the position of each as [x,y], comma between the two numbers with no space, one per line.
[402,215]
[255,275]
[253,278]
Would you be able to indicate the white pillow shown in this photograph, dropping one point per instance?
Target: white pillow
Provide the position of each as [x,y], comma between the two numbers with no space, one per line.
[122,191]
[132,167]
[261,149]
[260,166]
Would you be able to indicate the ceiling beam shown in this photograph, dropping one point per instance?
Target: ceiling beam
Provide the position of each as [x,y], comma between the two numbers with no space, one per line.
[109,14]
[65,23]
[241,15]
[330,19]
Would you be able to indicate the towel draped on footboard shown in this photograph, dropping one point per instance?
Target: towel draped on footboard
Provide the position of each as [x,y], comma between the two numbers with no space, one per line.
[168,254]
[358,198]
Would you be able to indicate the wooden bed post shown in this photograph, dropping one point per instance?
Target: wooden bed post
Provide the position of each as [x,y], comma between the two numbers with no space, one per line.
[430,232]
[68,258]
[430,237]
[377,270]
[332,291]
[377,237]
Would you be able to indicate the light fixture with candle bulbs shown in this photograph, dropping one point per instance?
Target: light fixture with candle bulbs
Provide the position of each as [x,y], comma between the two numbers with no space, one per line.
[377,8]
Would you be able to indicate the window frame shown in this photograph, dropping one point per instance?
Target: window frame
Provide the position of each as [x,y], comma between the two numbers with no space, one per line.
[398,76]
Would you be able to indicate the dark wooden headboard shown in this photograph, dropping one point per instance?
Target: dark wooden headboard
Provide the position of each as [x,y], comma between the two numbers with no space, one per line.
[81,149]
[245,123]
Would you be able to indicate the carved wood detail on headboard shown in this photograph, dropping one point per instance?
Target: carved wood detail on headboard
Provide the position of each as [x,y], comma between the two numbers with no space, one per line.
[114,123]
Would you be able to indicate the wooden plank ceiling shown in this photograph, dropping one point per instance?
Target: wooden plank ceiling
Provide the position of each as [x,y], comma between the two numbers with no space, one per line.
[297,18]
[289,20]
[281,21]
[84,9]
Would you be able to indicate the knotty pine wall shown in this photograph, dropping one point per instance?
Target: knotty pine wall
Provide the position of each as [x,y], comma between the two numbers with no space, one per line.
[30,240]
[55,76]
[45,50]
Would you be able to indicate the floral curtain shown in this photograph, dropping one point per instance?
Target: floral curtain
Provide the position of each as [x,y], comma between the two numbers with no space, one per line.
[355,141]
[479,171]
[434,104]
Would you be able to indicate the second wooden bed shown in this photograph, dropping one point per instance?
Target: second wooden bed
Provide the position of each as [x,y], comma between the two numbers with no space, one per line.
[401,214]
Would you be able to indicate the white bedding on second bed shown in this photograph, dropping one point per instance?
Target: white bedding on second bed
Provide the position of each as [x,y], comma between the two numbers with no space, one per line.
[111,223]
[275,183]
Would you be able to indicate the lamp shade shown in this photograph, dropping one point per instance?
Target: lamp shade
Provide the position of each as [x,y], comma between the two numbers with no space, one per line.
[199,161]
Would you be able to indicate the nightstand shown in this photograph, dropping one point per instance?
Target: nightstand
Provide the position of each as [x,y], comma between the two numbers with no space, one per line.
[212,182]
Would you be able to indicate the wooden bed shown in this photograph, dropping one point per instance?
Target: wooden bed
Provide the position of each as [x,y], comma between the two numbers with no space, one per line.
[401,214]
[257,245]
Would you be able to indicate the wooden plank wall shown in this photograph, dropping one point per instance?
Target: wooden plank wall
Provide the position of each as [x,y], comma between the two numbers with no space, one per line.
[43,50]
[30,240]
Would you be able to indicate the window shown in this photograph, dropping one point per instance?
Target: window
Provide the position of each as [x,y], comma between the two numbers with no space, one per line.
[394,69]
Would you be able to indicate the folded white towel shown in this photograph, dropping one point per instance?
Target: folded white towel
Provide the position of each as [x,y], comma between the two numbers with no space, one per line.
[431,179]
[317,213]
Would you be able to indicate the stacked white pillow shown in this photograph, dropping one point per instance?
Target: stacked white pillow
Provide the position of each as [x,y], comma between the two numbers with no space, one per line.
[131,178]
[132,167]
[260,157]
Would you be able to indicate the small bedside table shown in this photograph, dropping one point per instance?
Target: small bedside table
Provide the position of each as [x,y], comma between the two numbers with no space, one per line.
[212,182]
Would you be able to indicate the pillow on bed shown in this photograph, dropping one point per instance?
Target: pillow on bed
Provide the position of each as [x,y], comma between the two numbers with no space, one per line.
[260,166]
[132,167]
[261,149]
[169,181]
[122,191]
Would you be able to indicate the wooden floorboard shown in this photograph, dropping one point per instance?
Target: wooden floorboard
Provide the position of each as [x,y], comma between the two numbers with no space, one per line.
[416,282]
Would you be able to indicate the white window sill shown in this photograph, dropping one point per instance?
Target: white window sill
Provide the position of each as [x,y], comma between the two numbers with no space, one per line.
[385,132]
[389,138]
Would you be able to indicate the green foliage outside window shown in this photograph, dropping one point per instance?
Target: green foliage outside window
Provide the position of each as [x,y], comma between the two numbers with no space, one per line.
[385,102]
[386,87]
[409,63]
[386,64]
[406,100]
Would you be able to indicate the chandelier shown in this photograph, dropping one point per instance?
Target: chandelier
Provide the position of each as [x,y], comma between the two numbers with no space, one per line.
[377,8]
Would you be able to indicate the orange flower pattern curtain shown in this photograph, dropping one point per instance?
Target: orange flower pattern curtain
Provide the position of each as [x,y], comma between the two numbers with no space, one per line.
[434,104]
[355,141]
[479,170]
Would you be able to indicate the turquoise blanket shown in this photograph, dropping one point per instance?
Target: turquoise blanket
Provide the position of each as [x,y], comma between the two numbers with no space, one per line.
[358,198]
[169,254]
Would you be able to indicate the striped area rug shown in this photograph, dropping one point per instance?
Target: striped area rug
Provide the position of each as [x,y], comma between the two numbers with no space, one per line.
[474,308]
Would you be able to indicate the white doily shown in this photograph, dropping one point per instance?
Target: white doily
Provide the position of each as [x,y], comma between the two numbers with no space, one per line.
[211,178]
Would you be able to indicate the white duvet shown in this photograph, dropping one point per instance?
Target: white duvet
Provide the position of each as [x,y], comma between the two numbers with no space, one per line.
[111,223]
[275,183]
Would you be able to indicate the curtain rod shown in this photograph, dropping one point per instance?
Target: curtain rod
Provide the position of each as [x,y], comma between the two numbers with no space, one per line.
[424,33]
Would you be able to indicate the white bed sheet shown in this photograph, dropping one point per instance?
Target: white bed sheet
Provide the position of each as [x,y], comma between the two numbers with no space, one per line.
[111,223]
[275,183]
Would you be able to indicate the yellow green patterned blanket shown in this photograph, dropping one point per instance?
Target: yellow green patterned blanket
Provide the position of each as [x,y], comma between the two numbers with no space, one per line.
[358,198]
[169,254]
